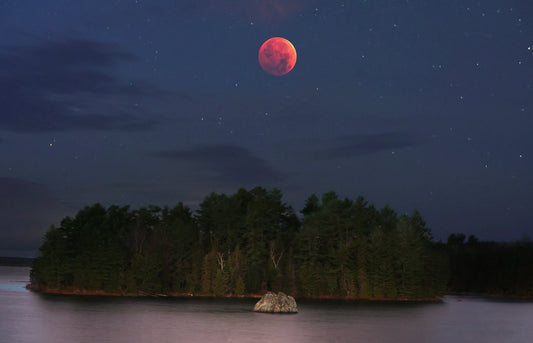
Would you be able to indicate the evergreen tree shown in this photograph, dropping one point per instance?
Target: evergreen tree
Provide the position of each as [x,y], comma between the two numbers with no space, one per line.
[380,264]
[312,205]
[364,291]
[410,259]
[208,273]
[239,287]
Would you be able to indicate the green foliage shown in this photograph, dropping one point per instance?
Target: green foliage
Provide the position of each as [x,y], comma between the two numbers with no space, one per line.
[312,205]
[239,288]
[381,265]
[363,284]
[411,259]
[208,273]
[219,284]
[250,241]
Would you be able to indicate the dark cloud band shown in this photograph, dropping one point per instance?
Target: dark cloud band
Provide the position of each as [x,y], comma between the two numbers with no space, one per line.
[356,145]
[232,165]
[67,85]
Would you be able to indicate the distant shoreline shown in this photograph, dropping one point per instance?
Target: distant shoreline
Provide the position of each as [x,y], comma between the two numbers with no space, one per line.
[84,292]
[7,261]
[490,295]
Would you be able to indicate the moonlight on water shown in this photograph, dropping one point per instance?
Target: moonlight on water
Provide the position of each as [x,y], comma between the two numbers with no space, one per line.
[277,56]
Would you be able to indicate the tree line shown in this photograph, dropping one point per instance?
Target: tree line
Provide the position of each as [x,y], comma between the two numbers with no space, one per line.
[498,268]
[244,243]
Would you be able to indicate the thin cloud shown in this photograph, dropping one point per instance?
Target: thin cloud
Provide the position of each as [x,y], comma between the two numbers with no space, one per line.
[230,164]
[357,145]
[68,85]
[261,11]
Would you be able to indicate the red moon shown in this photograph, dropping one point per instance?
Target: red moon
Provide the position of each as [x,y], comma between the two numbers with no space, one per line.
[277,56]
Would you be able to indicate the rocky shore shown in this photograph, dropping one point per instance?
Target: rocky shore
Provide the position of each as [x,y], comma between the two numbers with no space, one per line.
[70,291]
[276,303]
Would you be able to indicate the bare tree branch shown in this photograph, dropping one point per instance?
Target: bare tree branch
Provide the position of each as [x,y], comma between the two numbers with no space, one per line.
[275,254]
[220,260]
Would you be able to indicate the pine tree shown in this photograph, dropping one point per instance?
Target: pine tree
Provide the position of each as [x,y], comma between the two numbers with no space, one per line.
[218,286]
[362,275]
[239,287]
[207,274]
[410,261]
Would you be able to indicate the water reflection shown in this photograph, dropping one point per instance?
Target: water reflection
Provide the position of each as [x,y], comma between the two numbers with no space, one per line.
[34,317]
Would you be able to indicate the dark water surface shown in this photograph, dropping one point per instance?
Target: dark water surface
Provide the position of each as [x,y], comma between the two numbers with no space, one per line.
[31,317]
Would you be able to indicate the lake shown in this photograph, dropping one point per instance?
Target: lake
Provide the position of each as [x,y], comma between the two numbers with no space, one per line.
[33,317]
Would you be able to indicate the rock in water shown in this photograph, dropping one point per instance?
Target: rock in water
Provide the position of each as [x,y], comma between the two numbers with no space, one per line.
[276,303]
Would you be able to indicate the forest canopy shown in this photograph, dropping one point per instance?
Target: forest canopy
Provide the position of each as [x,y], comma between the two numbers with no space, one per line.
[244,243]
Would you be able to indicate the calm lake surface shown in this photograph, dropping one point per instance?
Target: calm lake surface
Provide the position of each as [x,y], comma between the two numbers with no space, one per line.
[31,317]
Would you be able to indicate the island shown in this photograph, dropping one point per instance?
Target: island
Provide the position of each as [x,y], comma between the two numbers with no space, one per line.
[246,244]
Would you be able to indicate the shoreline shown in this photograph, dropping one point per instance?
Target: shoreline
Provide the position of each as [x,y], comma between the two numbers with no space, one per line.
[84,292]
[489,295]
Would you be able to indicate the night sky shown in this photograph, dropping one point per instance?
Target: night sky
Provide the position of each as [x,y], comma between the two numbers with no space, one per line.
[416,104]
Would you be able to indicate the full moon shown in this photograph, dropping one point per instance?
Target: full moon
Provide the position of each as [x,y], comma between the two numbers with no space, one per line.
[277,56]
